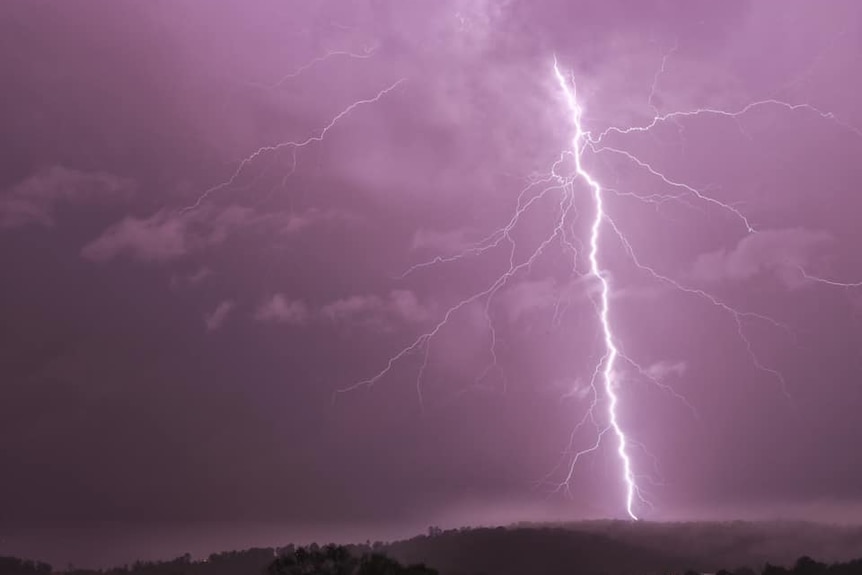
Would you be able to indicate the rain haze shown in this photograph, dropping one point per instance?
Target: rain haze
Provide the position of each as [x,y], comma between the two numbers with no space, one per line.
[293,270]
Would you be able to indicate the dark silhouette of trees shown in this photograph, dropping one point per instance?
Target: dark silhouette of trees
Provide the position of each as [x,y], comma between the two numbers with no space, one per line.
[314,560]
[15,566]
[807,566]
[337,560]
[499,551]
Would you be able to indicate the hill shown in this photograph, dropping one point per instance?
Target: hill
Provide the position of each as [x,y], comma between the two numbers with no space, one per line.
[600,547]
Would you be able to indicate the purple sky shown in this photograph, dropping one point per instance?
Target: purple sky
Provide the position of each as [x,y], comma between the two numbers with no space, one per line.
[171,366]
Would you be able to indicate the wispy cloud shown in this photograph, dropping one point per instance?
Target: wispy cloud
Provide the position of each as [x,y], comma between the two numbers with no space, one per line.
[280,309]
[401,305]
[661,370]
[168,234]
[293,223]
[213,320]
[529,296]
[194,278]
[778,251]
[443,242]
[34,200]
[172,234]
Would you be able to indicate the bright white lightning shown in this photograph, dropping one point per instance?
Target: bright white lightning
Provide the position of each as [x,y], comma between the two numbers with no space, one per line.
[611,352]
[827,281]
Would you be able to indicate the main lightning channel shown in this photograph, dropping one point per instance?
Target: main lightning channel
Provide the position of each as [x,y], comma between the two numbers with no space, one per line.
[611,350]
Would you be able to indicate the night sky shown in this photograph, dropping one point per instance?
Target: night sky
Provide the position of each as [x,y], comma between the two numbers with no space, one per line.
[180,307]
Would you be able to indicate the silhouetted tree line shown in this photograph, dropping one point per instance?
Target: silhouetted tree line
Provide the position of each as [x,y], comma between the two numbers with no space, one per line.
[804,566]
[290,560]
[15,566]
[368,560]
[338,560]
[808,566]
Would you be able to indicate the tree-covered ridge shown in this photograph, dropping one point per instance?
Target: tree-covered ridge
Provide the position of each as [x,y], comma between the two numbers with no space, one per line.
[343,560]
[338,560]
[290,560]
[607,548]
[16,566]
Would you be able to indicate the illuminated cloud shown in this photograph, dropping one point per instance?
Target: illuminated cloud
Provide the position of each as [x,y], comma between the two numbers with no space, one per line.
[528,297]
[168,234]
[441,242]
[772,251]
[294,223]
[663,369]
[280,309]
[214,319]
[402,305]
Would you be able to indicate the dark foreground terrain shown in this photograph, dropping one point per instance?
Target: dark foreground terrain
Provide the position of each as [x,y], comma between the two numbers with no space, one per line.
[606,547]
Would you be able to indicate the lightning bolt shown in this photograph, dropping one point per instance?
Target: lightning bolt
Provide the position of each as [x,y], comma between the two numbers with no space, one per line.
[293,145]
[827,281]
[367,52]
[608,363]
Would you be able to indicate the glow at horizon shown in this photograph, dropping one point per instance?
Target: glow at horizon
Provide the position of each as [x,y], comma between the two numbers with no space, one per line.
[611,352]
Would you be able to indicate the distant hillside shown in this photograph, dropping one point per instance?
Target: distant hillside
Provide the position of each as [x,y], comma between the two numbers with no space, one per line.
[627,547]
[597,547]
[737,543]
[539,551]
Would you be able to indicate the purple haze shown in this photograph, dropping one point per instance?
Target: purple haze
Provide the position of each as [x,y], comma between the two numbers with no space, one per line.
[173,367]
